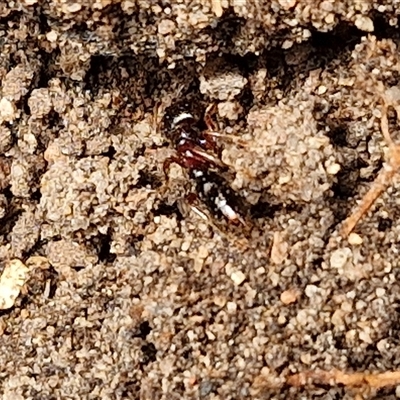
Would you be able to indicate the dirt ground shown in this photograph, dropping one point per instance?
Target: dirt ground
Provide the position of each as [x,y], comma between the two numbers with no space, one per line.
[131,294]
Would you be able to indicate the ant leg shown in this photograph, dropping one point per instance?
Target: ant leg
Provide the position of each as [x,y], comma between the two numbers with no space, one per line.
[192,198]
[381,182]
[212,128]
[210,111]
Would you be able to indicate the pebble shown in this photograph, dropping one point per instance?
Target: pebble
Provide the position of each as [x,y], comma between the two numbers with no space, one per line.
[311,291]
[74,7]
[339,257]
[7,110]
[364,23]
[52,36]
[166,26]
[365,337]
[202,252]
[217,8]
[279,251]
[231,307]
[355,239]
[337,318]
[333,169]
[289,296]
[238,277]
[12,280]
[185,246]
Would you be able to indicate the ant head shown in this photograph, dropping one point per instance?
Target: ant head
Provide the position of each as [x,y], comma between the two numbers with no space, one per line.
[182,117]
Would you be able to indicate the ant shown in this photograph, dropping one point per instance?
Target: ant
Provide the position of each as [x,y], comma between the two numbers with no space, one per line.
[197,151]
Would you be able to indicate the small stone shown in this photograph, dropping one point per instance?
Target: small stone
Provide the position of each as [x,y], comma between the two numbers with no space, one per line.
[330,18]
[289,296]
[219,301]
[393,94]
[238,277]
[260,271]
[166,26]
[74,7]
[355,239]
[202,252]
[224,87]
[364,23]
[279,251]
[339,257]
[37,262]
[51,36]
[198,264]
[12,280]
[287,44]
[380,292]
[333,169]
[365,337]
[53,153]
[311,291]
[216,7]
[205,388]
[7,110]
[287,4]
[281,319]
[337,318]
[230,110]
[231,307]
[306,358]
[347,306]
[128,7]
[185,245]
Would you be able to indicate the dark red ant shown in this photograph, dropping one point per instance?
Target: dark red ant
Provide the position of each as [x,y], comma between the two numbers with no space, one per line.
[198,152]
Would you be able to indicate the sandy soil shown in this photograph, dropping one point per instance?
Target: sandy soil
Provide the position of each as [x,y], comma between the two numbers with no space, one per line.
[131,294]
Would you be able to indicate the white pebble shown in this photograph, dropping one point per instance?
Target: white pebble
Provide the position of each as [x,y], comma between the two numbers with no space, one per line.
[238,277]
[311,291]
[333,169]
[355,239]
[7,110]
[12,280]
[364,23]
[339,257]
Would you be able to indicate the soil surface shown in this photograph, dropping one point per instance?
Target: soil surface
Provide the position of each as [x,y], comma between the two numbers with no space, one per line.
[135,292]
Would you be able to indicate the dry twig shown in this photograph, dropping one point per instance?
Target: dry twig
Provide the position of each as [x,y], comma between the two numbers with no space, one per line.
[336,377]
[384,178]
